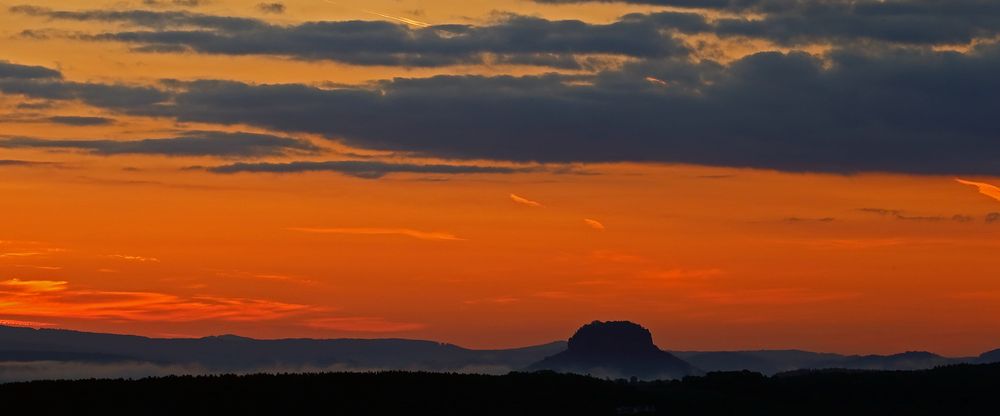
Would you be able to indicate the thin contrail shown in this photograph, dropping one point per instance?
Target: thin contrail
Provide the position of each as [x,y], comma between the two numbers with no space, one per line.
[411,22]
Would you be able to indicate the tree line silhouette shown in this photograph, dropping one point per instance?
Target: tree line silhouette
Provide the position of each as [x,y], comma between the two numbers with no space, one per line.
[952,390]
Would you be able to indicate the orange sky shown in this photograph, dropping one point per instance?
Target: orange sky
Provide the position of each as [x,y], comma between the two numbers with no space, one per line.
[707,258]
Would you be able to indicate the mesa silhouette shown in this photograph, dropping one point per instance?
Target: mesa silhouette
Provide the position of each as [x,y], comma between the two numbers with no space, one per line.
[617,349]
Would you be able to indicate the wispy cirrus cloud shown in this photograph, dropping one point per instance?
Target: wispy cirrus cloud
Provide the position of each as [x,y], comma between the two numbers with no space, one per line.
[128,257]
[58,299]
[26,324]
[989,190]
[595,224]
[400,19]
[525,201]
[407,232]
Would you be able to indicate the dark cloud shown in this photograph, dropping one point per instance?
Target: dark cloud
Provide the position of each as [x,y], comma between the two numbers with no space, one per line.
[363,169]
[513,39]
[912,111]
[535,41]
[812,21]
[80,121]
[276,8]
[808,220]
[962,218]
[100,95]
[146,18]
[193,143]
[902,216]
[898,21]
[993,217]
[692,4]
[907,110]
[179,3]
[9,162]
[882,211]
[11,71]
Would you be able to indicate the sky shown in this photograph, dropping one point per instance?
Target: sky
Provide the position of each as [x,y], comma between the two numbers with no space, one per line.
[731,174]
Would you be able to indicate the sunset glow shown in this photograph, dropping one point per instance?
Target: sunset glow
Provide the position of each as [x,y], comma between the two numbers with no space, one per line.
[315,181]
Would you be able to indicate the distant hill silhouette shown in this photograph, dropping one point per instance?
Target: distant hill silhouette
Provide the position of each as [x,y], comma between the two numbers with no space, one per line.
[765,362]
[229,353]
[778,361]
[616,349]
[989,357]
[606,349]
[913,360]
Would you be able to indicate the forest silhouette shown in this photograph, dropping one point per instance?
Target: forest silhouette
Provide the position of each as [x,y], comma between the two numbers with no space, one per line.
[959,389]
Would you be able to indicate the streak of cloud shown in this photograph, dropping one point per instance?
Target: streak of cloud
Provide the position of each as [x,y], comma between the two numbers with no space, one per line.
[984,188]
[594,224]
[191,143]
[140,259]
[24,324]
[21,163]
[420,235]
[363,169]
[400,19]
[21,254]
[525,201]
[58,299]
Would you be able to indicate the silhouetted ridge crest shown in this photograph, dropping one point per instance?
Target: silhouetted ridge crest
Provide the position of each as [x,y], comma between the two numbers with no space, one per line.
[615,349]
[613,337]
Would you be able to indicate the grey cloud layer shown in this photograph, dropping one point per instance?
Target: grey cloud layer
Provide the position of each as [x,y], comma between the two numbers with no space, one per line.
[861,107]
[193,143]
[10,162]
[515,39]
[362,169]
[805,21]
[147,18]
[10,71]
[540,42]
[98,95]
[898,110]
[80,121]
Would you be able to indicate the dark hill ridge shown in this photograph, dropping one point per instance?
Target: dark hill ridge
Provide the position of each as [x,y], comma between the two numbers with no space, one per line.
[613,349]
[229,353]
[772,362]
[990,357]
[616,349]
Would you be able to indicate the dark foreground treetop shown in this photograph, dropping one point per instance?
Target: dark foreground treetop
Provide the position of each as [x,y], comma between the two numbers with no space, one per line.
[955,390]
